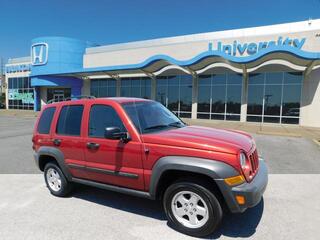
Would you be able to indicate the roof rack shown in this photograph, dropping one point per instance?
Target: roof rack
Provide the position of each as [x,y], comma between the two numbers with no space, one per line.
[70,99]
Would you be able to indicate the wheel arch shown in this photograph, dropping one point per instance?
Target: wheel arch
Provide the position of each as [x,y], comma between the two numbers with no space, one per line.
[51,154]
[44,159]
[187,167]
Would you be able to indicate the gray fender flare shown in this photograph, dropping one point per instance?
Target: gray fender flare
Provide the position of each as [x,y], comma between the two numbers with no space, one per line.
[58,155]
[211,168]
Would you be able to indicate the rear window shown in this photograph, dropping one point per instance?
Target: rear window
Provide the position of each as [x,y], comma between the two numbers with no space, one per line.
[69,122]
[46,120]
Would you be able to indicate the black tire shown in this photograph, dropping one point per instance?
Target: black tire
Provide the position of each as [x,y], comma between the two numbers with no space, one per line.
[65,186]
[214,209]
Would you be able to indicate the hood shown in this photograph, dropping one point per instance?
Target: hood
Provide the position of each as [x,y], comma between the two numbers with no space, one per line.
[204,138]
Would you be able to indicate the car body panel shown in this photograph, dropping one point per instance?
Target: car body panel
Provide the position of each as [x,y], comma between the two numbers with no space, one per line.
[114,157]
[137,164]
[203,138]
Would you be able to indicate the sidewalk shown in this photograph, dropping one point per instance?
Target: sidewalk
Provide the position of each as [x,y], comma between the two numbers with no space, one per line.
[18,113]
[258,128]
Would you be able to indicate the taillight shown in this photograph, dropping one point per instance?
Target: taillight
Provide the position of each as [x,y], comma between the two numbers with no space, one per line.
[33,143]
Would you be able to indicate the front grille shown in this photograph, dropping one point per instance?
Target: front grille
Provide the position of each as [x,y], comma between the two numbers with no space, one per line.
[254,161]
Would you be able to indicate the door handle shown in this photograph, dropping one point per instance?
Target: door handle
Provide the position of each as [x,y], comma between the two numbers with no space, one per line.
[92,145]
[57,142]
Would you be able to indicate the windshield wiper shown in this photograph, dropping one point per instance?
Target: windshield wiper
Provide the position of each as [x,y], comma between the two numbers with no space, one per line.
[174,124]
[156,126]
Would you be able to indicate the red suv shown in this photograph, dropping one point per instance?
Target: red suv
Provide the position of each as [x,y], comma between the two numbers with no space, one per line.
[139,147]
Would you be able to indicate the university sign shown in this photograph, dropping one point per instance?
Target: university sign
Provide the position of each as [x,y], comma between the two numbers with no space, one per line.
[238,48]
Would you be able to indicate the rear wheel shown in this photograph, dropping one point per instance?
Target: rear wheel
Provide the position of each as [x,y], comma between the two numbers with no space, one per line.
[56,181]
[192,208]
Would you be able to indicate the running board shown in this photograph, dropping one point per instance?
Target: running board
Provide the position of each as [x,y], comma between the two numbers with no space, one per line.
[129,191]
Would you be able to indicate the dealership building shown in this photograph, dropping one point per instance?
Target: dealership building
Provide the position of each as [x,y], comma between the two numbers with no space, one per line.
[264,74]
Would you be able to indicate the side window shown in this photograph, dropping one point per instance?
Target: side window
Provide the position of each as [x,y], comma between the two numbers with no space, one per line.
[46,120]
[101,117]
[69,122]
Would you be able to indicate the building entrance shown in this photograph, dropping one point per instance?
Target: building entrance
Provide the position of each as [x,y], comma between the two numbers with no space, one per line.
[58,94]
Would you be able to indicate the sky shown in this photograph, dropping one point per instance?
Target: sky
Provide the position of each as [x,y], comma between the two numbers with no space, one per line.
[106,21]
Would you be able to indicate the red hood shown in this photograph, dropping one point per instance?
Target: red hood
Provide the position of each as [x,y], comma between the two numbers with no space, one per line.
[204,138]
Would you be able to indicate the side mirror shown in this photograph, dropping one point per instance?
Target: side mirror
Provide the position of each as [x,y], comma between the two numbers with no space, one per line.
[115,134]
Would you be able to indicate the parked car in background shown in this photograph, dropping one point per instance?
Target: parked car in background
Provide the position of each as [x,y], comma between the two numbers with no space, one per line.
[2,106]
[138,147]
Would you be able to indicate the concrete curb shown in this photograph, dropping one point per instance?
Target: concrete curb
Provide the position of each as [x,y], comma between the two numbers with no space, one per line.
[279,134]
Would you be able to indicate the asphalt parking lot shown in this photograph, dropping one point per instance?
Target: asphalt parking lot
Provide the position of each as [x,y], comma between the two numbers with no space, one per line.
[282,154]
[290,209]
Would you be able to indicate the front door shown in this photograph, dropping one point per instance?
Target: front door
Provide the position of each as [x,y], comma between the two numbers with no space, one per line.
[111,161]
[58,97]
[58,94]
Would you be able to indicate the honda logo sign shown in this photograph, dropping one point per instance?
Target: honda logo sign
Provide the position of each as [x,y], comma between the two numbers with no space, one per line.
[39,54]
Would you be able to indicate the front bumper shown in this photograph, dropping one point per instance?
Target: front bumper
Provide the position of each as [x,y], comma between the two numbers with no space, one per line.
[252,191]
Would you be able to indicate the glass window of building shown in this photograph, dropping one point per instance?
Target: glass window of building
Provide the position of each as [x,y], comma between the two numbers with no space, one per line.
[20,93]
[136,87]
[219,96]
[103,88]
[274,97]
[175,92]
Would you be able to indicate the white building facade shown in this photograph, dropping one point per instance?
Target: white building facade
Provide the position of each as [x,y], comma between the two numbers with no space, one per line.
[262,74]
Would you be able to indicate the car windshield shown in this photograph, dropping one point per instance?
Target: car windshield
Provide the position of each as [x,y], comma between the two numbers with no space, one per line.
[149,116]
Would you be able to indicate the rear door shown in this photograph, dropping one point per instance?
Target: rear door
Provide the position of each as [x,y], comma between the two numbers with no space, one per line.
[67,137]
[111,161]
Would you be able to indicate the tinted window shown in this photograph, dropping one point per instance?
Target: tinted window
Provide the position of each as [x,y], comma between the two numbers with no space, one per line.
[45,120]
[103,87]
[175,92]
[270,93]
[20,93]
[136,87]
[101,117]
[219,96]
[70,120]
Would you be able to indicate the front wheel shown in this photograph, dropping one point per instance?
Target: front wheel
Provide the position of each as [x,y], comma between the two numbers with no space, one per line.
[192,209]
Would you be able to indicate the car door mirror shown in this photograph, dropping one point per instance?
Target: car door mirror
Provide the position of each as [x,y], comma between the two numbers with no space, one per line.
[116,134]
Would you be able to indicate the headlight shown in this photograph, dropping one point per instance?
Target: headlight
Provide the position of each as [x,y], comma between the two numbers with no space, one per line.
[243,160]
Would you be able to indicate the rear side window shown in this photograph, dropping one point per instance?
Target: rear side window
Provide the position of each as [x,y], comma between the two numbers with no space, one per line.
[69,122]
[46,120]
[101,117]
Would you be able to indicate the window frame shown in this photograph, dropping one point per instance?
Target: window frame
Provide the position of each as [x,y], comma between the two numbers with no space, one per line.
[166,84]
[81,122]
[103,84]
[52,120]
[224,81]
[284,84]
[22,85]
[89,118]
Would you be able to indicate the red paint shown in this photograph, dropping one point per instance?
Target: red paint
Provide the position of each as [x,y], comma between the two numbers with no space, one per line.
[131,157]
